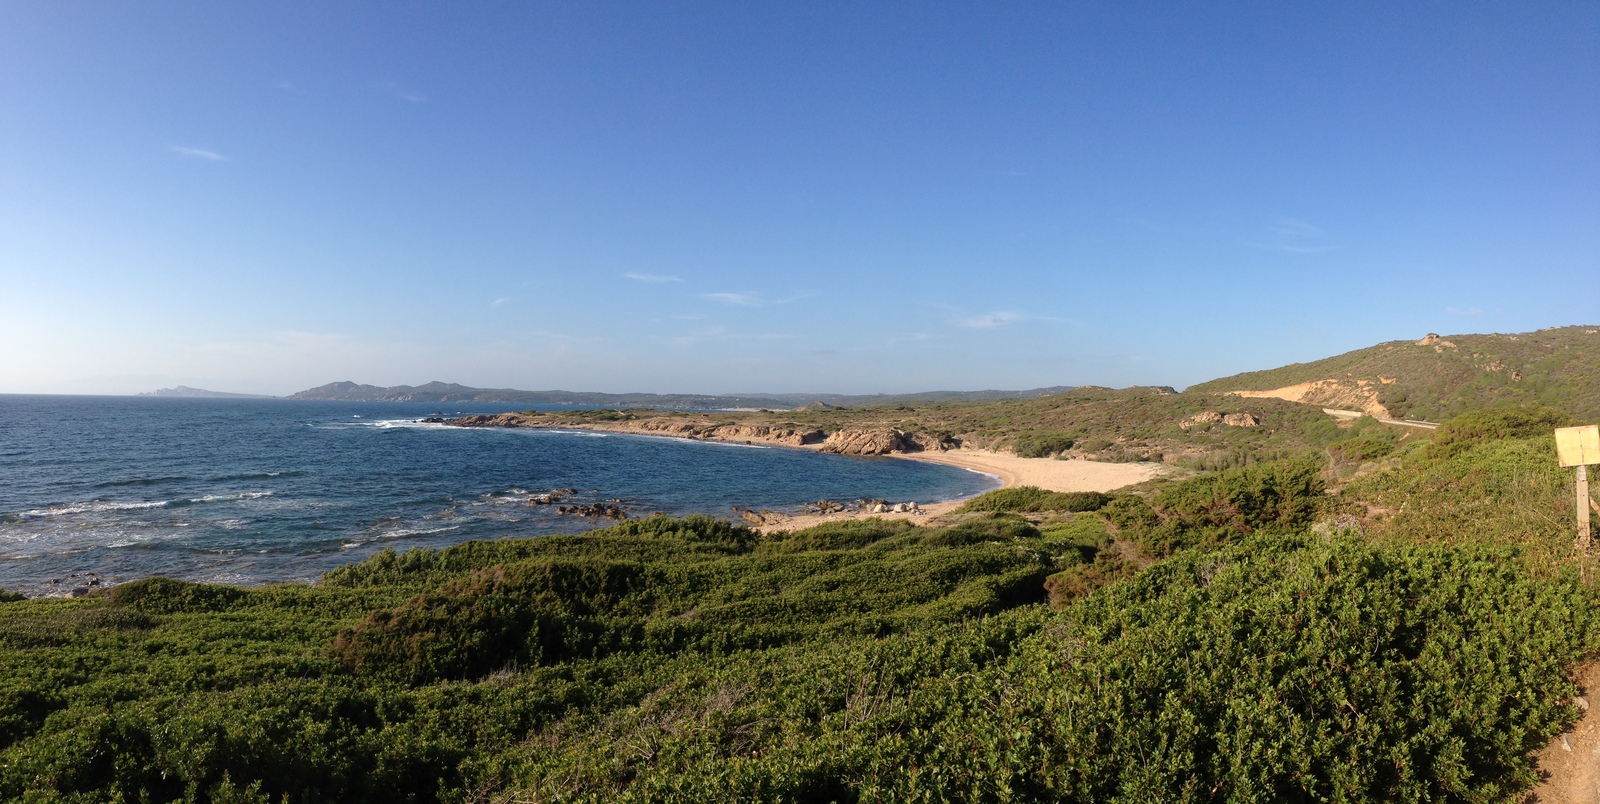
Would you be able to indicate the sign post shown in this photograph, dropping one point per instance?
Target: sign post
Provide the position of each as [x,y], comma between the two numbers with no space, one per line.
[1580,446]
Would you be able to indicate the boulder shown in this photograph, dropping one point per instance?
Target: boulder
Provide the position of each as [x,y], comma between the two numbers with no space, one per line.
[1241,420]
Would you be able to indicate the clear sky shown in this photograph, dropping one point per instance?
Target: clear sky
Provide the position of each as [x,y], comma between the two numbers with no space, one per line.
[733,197]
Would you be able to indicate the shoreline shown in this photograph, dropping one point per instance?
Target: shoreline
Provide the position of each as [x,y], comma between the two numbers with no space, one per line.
[1010,470]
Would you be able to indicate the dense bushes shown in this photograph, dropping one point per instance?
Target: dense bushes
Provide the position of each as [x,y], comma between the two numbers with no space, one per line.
[1030,499]
[1041,443]
[692,660]
[1216,509]
[1493,424]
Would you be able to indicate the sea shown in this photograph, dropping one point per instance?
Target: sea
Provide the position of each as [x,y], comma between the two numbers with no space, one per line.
[96,491]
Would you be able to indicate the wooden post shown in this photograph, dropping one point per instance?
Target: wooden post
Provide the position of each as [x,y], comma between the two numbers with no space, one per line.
[1583,509]
[1579,447]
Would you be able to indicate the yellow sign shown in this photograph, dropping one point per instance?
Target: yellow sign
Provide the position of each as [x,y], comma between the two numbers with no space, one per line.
[1578,446]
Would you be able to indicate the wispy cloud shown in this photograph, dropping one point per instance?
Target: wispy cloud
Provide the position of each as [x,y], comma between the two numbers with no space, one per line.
[1295,237]
[994,320]
[406,94]
[653,278]
[752,299]
[500,301]
[198,153]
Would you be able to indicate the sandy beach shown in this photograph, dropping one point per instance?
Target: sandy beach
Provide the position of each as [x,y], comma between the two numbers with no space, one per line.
[1044,473]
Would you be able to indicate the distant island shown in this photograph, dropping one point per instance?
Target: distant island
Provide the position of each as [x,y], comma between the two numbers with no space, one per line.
[201,393]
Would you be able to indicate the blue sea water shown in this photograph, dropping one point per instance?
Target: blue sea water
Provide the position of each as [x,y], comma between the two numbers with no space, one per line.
[108,489]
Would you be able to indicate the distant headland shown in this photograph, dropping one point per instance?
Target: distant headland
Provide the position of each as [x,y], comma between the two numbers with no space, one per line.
[448,392]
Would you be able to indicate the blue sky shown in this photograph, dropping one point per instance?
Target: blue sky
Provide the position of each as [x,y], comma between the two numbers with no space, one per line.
[780,197]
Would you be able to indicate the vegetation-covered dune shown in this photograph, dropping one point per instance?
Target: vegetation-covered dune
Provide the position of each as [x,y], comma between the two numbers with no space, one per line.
[1239,636]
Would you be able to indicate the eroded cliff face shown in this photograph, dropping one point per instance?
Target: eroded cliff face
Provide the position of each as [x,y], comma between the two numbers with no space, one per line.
[842,442]
[882,442]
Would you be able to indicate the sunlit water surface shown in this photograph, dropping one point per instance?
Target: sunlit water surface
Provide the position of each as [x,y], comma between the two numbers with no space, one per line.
[107,489]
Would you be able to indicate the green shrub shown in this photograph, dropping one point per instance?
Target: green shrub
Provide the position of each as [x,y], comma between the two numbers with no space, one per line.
[1041,443]
[165,595]
[1361,450]
[1031,499]
[1496,423]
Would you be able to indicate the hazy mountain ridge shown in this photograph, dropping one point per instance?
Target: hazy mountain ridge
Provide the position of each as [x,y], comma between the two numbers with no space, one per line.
[200,393]
[443,392]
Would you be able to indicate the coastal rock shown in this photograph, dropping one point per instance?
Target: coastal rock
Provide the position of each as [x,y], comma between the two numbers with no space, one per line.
[933,443]
[869,442]
[607,510]
[761,432]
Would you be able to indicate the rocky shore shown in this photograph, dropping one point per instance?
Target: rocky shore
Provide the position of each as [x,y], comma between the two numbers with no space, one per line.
[847,441]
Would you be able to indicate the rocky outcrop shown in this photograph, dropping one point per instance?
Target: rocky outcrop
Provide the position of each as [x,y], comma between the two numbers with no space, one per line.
[671,427]
[843,442]
[1229,419]
[869,442]
[607,510]
[850,441]
[1209,417]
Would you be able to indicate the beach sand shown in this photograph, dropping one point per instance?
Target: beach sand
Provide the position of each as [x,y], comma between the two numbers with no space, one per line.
[1045,473]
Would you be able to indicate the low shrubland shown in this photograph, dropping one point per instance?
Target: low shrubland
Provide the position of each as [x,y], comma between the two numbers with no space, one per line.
[1215,638]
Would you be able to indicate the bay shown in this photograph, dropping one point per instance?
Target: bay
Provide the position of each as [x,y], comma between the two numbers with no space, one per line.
[101,490]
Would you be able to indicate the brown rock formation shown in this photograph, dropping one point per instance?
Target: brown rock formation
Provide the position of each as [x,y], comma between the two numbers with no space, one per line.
[869,442]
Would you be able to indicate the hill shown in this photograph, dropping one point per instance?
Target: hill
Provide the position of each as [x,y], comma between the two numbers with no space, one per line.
[857,400]
[1436,377]
[1194,430]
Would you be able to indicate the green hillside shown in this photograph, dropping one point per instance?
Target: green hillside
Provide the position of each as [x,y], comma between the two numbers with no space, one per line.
[1436,378]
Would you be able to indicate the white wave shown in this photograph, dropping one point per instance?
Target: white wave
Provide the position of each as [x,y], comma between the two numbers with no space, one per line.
[580,433]
[97,506]
[401,533]
[409,424]
[243,495]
